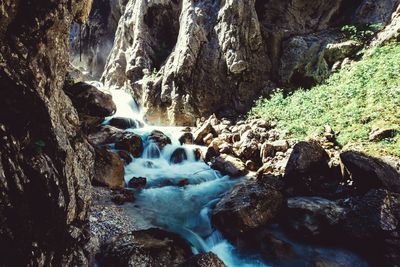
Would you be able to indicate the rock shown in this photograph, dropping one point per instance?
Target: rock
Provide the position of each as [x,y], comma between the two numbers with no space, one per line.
[267,151]
[109,169]
[314,217]
[91,45]
[159,138]
[391,31]
[208,259]
[125,123]
[178,156]
[372,226]
[200,133]
[251,166]
[229,165]
[276,249]
[369,172]
[380,134]
[152,247]
[280,145]
[248,206]
[186,138]
[125,156]
[183,182]
[211,154]
[131,143]
[88,123]
[308,172]
[208,139]
[89,100]
[122,197]
[137,182]
[198,155]
[44,195]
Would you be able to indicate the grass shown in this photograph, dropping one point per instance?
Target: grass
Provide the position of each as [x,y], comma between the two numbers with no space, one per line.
[359,98]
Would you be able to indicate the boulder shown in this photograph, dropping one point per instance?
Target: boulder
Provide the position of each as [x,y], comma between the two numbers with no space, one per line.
[368,172]
[120,197]
[208,259]
[137,182]
[131,143]
[229,165]
[276,249]
[201,132]
[313,217]
[125,156]
[152,247]
[211,154]
[372,226]
[178,156]
[280,145]
[380,134]
[109,169]
[186,138]
[89,100]
[159,138]
[308,173]
[125,123]
[247,207]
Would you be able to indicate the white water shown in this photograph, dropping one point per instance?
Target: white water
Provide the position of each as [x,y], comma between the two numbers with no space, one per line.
[185,210]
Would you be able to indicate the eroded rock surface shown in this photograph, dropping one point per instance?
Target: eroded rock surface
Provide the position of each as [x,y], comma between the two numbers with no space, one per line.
[45,168]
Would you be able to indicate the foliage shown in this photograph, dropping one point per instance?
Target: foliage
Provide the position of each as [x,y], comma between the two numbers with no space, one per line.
[39,145]
[364,96]
[361,33]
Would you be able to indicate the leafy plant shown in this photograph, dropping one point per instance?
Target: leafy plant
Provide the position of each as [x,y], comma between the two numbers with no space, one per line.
[355,100]
[361,33]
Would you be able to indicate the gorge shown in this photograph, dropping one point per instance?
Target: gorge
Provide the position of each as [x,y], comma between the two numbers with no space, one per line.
[125,138]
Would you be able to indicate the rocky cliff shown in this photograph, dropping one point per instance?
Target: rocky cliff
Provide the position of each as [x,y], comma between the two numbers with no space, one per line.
[45,164]
[185,59]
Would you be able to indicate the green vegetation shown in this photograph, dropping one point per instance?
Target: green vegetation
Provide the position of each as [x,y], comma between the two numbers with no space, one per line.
[362,33]
[359,98]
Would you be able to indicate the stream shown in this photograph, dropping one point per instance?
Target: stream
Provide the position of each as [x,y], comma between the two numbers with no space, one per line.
[186,210]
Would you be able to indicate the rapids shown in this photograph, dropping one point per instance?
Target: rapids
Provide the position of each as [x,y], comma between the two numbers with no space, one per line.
[186,210]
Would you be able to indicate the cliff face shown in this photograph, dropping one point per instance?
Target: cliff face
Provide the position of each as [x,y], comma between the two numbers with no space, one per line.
[92,42]
[183,58]
[45,164]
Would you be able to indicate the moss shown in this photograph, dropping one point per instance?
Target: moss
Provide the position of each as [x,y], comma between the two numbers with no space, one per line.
[359,98]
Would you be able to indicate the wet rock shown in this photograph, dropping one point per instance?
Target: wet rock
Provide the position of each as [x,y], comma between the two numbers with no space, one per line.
[183,182]
[372,226]
[308,173]
[369,172]
[88,123]
[276,249]
[159,138]
[137,182]
[131,143]
[248,206]
[229,165]
[104,135]
[208,259]
[211,154]
[178,156]
[152,247]
[251,166]
[109,169]
[125,123]
[198,155]
[122,196]
[203,131]
[125,156]
[313,217]
[186,138]
[89,100]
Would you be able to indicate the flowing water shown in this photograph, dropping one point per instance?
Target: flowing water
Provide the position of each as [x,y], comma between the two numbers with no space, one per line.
[185,209]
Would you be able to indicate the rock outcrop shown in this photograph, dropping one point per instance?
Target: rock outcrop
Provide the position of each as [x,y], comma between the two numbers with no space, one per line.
[186,59]
[92,42]
[45,167]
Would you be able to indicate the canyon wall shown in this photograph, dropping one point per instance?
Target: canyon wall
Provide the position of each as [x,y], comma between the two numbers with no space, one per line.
[183,59]
[45,163]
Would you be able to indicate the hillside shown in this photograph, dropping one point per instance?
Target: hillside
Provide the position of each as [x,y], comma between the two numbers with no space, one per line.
[358,99]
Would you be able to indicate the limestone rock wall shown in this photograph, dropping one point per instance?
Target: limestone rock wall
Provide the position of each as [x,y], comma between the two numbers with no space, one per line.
[45,164]
[183,59]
